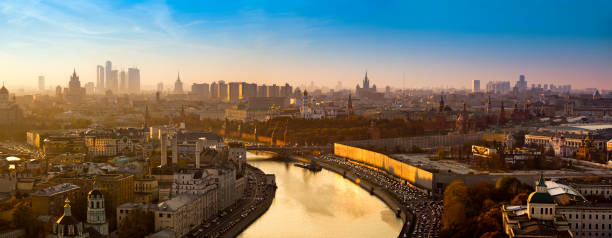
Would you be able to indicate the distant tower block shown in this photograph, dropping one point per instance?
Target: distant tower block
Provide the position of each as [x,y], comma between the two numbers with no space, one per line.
[475,86]
[198,151]
[175,150]
[41,83]
[164,150]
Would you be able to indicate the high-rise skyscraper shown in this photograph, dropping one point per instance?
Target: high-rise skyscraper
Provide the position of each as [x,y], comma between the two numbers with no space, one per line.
[58,91]
[89,88]
[108,78]
[133,80]
[521,84]
[500,87]
[249,90]
[160,87]
[223,91]
[214,90]
[41,83]
[200,89]
[273,91]
[122,81]
[235,91]
[286,91]
[262,91]
[100,79]
[112,82]
[475,86]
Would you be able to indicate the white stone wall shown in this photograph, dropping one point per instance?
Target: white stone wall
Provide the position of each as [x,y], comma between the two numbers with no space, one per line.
[588,221]
[541,211]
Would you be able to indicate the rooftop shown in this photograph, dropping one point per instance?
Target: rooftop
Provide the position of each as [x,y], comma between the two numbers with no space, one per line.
[592,126]
[423,162]
[555,189]
[537,228]
[185,135]
[599,205]
[565,135]
[521,225]
[165,233]
[57,189]
[107,177]
[146,206]
[177,202]
[235,145]
[594,181]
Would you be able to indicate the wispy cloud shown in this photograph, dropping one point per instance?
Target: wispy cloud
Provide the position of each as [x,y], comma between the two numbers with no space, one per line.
[91,19]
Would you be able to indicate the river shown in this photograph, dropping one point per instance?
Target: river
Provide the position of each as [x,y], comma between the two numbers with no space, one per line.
[321,204]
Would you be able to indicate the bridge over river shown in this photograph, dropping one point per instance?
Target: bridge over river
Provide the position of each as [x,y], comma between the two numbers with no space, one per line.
[291,150]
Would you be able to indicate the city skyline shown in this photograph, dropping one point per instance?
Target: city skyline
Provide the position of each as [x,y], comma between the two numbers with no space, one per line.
[305,118]
[399,44]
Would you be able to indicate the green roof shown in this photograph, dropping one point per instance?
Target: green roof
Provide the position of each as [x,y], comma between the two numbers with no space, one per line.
[536,197]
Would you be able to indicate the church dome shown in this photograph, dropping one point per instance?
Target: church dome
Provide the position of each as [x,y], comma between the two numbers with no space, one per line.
[541,194]
[3,90]
[95,192]
[539,197]
[67,221]
[68,225]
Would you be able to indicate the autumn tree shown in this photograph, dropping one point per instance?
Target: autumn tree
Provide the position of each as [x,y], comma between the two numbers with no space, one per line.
[520,199]
[441,153]
[22,215]
[508,187]
[474,211]
[24,219]
[489,222]
[455,199]
[138,224]
[550,151]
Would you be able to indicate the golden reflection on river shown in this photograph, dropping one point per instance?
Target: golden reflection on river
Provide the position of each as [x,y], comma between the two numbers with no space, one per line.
[322,204]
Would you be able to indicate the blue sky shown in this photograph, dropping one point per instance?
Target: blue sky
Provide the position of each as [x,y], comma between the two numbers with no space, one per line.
[428,43]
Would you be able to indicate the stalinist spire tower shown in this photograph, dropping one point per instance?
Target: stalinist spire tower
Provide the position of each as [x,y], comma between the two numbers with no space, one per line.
[178,85]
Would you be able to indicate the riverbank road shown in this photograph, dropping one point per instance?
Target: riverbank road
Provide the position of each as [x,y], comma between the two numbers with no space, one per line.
[16,148]
[230,222]
[427,211]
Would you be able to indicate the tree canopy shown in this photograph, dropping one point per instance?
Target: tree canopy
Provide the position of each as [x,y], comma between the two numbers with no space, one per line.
[138,224]
[474,211]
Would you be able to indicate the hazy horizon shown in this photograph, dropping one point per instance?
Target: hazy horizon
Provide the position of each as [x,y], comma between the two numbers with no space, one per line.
[401,44]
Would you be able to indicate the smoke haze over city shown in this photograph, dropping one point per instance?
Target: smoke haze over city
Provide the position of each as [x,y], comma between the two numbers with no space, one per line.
[400,43]
[305,118]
